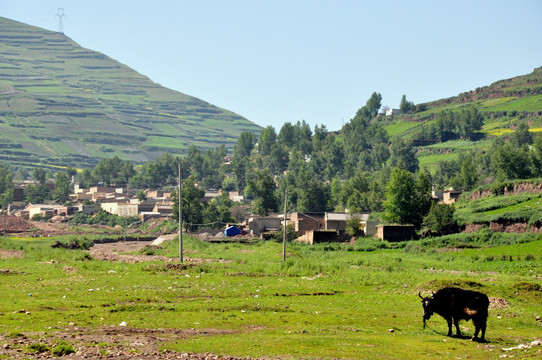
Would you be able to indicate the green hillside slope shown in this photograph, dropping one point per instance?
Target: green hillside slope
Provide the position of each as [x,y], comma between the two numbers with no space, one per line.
[66,105]
[503,104]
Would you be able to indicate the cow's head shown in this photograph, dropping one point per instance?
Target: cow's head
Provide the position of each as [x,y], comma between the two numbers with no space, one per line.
[427,303]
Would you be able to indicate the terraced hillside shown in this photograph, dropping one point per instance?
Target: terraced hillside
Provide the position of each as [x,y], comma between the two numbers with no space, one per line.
[61,104]
[503,104]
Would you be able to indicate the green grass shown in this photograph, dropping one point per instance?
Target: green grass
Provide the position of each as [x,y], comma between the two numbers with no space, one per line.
[522,207]
[324,302]
[399,127]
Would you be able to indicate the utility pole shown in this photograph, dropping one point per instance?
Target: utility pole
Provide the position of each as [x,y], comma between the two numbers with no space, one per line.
[5,221]
[284,229]
[180,216]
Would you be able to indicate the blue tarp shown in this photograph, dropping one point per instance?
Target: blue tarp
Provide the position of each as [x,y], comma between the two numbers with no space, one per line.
[232,231]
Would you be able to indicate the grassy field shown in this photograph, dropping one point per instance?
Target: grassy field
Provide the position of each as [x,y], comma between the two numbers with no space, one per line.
[328,301]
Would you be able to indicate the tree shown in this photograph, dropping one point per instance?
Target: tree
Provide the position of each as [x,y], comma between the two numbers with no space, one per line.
[267,139]
[245,144]
[286,134]
[192,206]
[521,136]
[440,219]
[469,175]
[407,197]
[39,175]
[37,194]
[141,196]
[406,106]
[511,163]
[263,186]
[403,155]
[6,186]
[62,188]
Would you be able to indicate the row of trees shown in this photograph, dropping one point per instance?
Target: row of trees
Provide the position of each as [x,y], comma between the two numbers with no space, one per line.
[358,169]
[450,125]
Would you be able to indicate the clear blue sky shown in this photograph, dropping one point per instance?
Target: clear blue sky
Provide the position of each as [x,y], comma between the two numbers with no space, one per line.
[292,60]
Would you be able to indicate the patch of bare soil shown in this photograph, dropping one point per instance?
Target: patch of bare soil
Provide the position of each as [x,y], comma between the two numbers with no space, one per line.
[116,251]
[498,303]
[121,343]
[14,224]
[4,254]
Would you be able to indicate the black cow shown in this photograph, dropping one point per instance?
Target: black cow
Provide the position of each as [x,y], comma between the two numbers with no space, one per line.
[454,304]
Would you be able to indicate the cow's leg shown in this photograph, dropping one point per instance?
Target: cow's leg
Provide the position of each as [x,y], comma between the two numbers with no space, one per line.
[449,321]
[483,325]
[477,328]
[456,323]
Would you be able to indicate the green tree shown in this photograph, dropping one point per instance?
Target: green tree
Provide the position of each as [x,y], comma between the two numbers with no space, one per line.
[469,175]
[440,219]
[192,206]
[405,105]
[267,139]
[37,194]
[521,136]
[407,198]
[62,188]
[286,134]
[403,155]
[39,175]
[244,145]
[113,171]
[6,186]
[512,163]
[141,196]
[263,186]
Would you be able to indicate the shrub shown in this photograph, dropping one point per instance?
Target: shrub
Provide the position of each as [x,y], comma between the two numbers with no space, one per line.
[40,217]
[352,225]
[62,349]
[290,234]
[38,348]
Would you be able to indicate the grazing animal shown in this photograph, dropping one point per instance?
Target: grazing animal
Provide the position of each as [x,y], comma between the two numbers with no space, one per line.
[454,304]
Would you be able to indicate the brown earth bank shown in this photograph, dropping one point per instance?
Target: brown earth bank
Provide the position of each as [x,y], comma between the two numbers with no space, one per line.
[508,227]
[121,343]
[514,189]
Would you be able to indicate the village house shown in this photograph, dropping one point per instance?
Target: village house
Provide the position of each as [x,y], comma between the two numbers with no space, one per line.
[164,209]
[120,208]
[260,225]
[211,194]
[235,197]
[307,221]
[46,210]
[390,112]
[451,196]
[394,232]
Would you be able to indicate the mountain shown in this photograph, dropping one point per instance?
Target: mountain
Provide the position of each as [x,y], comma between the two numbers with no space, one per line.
[61,104]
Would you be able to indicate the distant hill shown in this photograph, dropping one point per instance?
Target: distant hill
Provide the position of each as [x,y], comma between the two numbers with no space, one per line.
[504,104]
[61,104]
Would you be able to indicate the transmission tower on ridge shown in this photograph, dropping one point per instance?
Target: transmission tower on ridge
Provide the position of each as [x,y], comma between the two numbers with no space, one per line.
[60,14]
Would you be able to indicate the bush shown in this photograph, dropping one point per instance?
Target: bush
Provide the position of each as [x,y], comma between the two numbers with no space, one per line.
[40,217]
[74,243]
[352,225]
[440,219]
[62,349]
[290,234]
[38,348]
